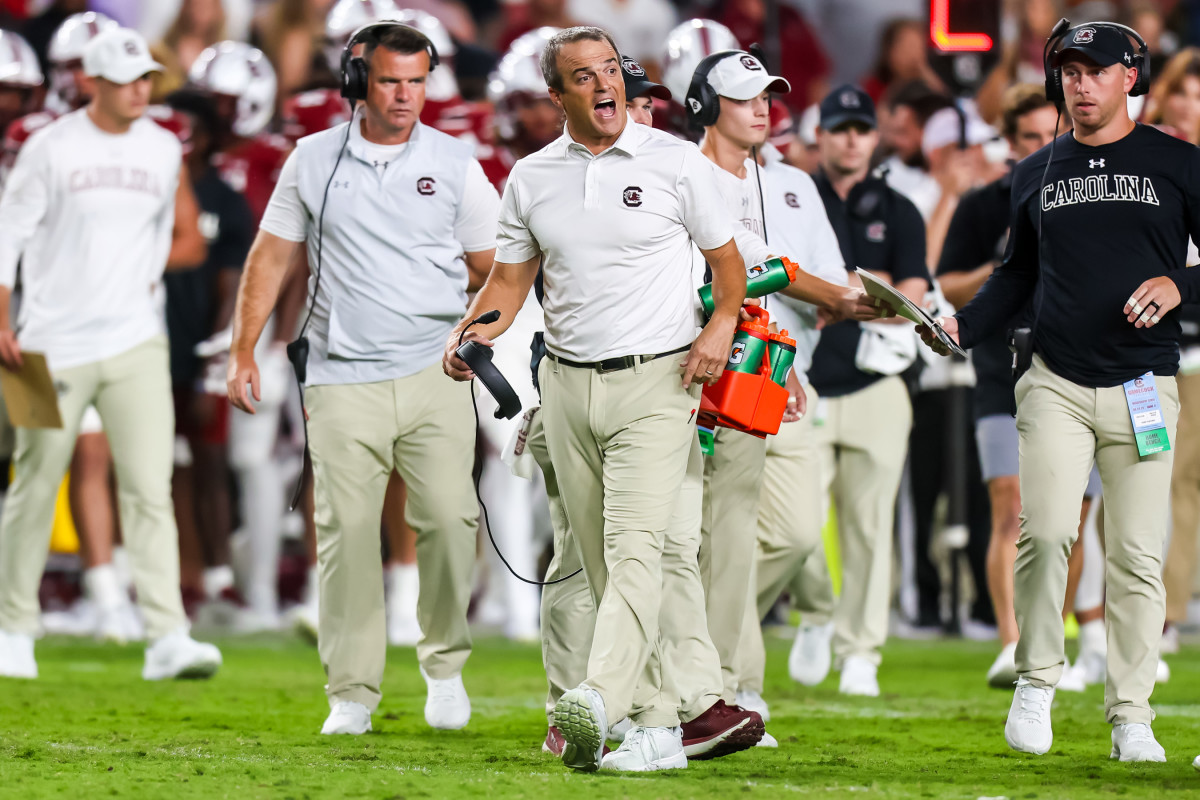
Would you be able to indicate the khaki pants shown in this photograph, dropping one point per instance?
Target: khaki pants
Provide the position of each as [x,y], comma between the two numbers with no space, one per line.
[1064,426]
[863,440]
[132,392]
[1180,568]
[568,612]
[422,426]
[789,532]
[623,438]
[733,477]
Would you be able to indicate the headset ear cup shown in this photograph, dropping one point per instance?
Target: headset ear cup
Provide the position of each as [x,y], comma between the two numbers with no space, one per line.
[356,78]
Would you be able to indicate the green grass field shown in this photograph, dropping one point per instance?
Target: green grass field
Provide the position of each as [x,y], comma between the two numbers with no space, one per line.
[90,727]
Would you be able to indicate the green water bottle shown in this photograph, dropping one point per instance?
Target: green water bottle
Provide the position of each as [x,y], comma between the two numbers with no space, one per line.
[750,343]
[761,279]
[782,353]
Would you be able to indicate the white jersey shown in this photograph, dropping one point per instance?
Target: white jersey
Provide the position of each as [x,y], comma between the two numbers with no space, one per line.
[89,216]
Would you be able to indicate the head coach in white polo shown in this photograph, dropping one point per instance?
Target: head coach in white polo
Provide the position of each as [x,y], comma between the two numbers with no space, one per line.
[610,211]
[397,217]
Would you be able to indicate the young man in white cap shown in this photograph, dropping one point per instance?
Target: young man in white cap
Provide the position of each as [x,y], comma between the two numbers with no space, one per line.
[95,207]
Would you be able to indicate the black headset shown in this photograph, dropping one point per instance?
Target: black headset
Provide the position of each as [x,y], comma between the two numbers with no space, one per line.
[702,102]
[354,68]
[1054,86]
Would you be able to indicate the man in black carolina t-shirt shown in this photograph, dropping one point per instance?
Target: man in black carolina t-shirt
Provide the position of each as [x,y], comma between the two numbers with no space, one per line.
[1115,210]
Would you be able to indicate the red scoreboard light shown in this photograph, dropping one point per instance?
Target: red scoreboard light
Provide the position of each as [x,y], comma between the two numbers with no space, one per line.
[964,37]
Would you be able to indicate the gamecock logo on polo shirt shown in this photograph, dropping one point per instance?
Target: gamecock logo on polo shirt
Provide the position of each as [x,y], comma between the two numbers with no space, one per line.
[425,186]
[876,231]
[791,199]
[632,196]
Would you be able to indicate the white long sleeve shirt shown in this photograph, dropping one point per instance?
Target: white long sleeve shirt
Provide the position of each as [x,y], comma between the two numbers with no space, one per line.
[89,215]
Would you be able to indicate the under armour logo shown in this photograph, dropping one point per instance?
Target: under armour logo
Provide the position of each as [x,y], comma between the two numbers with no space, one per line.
[341,184]
[1127,58]
[1096,162]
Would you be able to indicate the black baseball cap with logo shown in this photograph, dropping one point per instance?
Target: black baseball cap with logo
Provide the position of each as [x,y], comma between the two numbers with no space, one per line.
[1102,44]
[847,103]
[637,84]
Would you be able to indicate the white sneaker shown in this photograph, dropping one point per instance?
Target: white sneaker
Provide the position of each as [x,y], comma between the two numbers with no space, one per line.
[178,655]
[16,656]
[304,622]
[1071,679]
[347,717]
[617,731]
[579,715]
[753,701]
[647,750]
[1027,729]
[859,677]
[1135,742]
[767,740]
[1091,667]
[1170,641]
[1162,673]
[447,706]
[254,620]
[1003,672]
[1196,763]
[809,660]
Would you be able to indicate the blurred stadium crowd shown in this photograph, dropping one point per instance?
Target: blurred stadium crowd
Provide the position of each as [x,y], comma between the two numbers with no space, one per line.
[245,79]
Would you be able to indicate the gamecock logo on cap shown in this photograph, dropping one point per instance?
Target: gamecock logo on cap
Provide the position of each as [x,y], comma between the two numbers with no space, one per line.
[1084,36]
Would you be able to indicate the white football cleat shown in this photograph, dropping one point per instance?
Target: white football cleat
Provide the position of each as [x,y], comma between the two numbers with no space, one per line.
[304,622]
[1135,742]
[16,656]
[178,655]
[1196,763]
[1170,641]
[1003,672]
[648,750]
[447,706]
[767,740]
[810,659]
[1027,729]
[753,701]
[859,677]
[347,717]
[1162,672]
[1071,679]
[579,715]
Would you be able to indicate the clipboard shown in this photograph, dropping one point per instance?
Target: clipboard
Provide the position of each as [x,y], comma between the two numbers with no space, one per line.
[906,308]
[29,393]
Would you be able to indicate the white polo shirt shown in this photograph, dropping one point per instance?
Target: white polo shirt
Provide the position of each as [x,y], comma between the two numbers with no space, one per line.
[797,227]
[89,216]
[397,223]
[615,232]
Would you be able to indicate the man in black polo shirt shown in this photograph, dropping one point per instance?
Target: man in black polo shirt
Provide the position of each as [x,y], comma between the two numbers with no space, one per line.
[864,415]
[974,245]
[1106,274]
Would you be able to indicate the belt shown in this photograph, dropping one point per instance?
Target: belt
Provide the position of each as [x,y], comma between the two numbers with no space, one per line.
[617,362]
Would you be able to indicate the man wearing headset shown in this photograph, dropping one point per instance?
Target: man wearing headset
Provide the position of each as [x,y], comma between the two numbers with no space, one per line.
[1100,226]
[400,219]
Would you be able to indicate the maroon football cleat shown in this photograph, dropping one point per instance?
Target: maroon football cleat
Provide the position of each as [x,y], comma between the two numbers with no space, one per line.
[721,730]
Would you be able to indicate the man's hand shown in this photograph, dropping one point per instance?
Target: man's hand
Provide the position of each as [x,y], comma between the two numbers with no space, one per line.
[706,360]
[10,349]
[797,405]
[853,303]
[454,366]
[1146,307]
[241,371]
[949,325]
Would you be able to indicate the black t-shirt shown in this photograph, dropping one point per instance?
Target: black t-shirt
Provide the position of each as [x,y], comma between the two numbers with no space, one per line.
[1115,216]
[976,236]
[227,226]
[880,230]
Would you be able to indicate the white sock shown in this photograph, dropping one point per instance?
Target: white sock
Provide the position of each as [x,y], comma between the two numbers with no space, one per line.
[103,586]
[312,588]
[263,505]
[120,562]
[1092,637]
[403,585]
[217,580]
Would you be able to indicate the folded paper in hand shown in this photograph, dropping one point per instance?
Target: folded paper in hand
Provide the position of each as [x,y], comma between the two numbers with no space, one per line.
[29,393]
[906,308]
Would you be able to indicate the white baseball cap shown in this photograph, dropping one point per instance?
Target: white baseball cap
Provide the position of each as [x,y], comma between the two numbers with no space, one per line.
[949,126]
[743,77]
[119,55]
